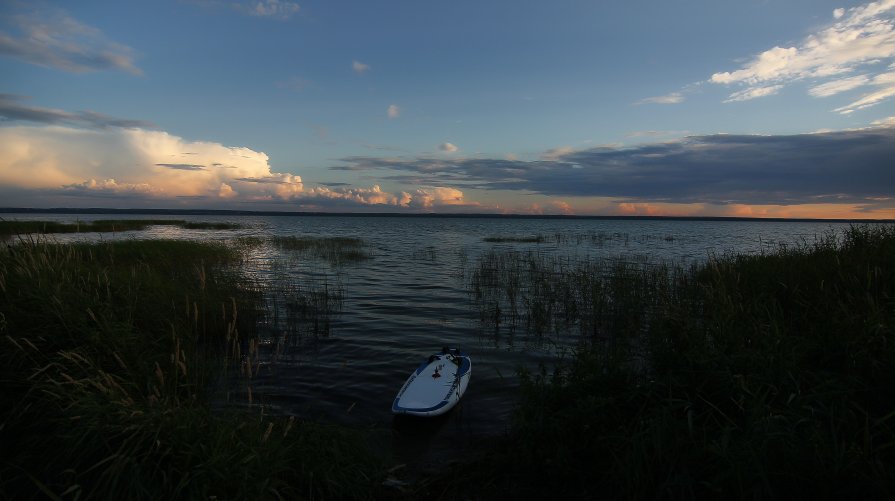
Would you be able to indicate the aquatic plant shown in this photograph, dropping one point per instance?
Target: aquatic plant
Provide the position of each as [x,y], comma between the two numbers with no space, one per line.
[335,250]
[111,354]
[747,376]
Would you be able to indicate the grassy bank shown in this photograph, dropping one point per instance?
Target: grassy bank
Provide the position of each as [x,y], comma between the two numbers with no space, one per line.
[109,353]
[10,228]
[748,377]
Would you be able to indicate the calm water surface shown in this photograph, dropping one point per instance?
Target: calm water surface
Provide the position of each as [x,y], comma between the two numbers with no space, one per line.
[410,299]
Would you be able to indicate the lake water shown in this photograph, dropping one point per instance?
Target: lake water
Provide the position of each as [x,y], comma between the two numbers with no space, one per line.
[411,298]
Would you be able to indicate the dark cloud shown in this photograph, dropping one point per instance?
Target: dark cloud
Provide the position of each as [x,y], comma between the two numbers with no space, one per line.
[261,180]
[183,166]
[12,108]
[838,167]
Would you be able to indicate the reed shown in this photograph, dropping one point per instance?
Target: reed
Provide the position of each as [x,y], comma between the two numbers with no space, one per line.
[335,250]
[110,358]
[752,377]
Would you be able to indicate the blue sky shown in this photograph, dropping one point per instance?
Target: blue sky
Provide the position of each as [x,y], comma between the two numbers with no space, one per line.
[761,108]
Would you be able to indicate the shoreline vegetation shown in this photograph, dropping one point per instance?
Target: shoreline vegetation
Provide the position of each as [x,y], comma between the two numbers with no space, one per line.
[12,228]
[746,376]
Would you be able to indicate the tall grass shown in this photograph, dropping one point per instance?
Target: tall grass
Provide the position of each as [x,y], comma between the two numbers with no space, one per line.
[752,377]
[109,354]
[335,250]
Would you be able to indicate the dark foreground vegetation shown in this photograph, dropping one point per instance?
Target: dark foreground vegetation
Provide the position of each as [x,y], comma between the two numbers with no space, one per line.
[9,228]
[747,377]
[110,354]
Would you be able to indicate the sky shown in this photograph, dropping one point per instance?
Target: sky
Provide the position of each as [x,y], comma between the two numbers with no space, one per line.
[757,108]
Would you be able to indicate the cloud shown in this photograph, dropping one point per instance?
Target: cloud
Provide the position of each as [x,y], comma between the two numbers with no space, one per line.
[834,87]
[448,148]
[673,98]
[833,167]
[885,84]
[13,108]
[359,67]
[753,92]
[53,39]
[183,166]
[275,9]
[394,111]
[860,37]
[123,167]
[118,160]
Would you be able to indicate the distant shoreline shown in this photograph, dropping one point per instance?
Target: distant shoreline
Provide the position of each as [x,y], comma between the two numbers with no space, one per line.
[227,212]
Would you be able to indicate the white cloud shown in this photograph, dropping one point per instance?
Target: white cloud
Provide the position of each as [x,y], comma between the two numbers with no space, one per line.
[752,93]
[448,148]
[885,122]
[127,160]
[427,198]
[394,111]
[860,37]
[359,67]
[885,84]
[54,39]
[836,86]
[673,98]
[127,164]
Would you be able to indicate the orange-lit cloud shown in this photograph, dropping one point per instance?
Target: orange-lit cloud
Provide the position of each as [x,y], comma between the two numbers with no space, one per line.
[155,165]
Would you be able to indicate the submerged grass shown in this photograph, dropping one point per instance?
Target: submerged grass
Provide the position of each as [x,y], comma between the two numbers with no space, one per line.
[109,353]
[748,377]
[9,228]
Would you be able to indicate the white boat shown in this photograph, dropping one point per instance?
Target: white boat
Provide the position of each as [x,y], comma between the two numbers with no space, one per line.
[436,385]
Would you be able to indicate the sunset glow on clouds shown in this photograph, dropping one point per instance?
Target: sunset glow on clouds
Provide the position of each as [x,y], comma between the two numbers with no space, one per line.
[794,118]
[149,164]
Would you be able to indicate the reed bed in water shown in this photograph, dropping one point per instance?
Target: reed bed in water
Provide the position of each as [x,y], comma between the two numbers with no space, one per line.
[335,250]
[9,228]
[766,376]
[108,358]
[594,238]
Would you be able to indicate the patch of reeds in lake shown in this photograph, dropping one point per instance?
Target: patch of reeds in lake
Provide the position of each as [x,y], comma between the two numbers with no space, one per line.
[593,238]
[111,354]
[335,250]
[9,228]
[546,294]
[763,376]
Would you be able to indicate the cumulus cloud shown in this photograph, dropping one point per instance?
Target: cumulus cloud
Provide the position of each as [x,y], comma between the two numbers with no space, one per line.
[120,160]
[359,67]
[393,111]
[122,165]
[448,148]
[861,37]
[54,39]
[834,167]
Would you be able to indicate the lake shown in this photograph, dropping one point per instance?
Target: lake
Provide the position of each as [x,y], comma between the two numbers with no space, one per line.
[411,297]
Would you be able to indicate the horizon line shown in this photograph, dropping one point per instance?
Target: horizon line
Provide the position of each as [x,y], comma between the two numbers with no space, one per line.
[458,215]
